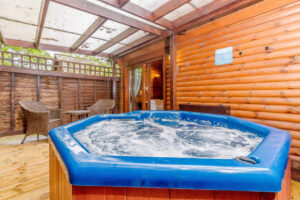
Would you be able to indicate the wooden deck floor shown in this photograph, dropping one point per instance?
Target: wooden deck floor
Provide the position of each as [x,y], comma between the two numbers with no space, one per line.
[24,172]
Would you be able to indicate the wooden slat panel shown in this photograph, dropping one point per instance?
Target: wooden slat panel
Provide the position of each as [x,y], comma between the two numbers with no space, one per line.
[262,82]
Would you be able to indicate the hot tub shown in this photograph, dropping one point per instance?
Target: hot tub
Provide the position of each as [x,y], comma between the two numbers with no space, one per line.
[208,156]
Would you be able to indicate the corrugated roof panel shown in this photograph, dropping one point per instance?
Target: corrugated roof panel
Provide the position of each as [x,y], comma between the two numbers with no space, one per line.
[18,31]
[113,48]
[68,19]
[92,44]
[200,3]
[21,10]
[134,37]
[149,5]
[109,30]
[179,12]
[58,38]
[96,2]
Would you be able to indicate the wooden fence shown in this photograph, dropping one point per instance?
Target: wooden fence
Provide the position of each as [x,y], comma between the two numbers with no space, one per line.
[57,84]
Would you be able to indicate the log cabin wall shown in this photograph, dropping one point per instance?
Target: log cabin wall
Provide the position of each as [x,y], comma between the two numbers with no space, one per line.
[263,82]
[53,91]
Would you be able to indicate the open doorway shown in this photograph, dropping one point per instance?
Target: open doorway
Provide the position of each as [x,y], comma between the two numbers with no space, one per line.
[156,85]
[145,86]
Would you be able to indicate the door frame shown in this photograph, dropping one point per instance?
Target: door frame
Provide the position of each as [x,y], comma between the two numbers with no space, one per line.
[146,82]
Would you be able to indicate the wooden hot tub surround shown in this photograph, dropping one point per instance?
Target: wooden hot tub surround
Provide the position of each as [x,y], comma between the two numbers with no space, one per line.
[60,188]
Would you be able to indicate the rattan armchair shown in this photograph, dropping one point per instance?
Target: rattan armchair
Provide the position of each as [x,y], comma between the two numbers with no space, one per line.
[38,119]
[102,106]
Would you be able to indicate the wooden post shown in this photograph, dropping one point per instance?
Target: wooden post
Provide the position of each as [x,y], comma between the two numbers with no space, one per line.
[12,102]
[173,71]
[59,92]
[79,105]
[144,87]
[38,81]
[95,96]
[114,84]
[126,89]
[122,85]
[165,57]
[148,86]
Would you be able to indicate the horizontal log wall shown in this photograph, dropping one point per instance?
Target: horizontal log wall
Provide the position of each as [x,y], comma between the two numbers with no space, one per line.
[53,91]
[263,82]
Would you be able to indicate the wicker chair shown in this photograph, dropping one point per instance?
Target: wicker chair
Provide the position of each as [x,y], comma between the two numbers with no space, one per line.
[103,106]
[38,119]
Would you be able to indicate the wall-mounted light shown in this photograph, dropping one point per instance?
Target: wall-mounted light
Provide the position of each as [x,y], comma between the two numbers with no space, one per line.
[156,76]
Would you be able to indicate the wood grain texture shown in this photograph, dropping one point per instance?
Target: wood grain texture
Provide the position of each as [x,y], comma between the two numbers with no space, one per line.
[262,83]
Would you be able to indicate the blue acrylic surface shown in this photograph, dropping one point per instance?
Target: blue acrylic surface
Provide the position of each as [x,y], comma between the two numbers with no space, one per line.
[87,169]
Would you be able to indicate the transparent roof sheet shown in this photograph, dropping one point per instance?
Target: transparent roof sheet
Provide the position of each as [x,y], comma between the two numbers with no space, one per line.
[125,13]
[179,12]
[18,31]
[58,38]
[150,5]
[21,10]
[68,19]
[200,3]
[134,37]
[92,44]
[109,30]
[113,48]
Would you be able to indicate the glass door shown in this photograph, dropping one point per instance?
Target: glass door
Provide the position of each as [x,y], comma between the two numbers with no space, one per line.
[135,90]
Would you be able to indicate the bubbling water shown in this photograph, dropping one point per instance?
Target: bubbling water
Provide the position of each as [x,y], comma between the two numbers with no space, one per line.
[166,138]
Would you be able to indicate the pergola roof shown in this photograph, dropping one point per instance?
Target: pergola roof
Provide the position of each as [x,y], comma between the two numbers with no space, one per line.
[103,27]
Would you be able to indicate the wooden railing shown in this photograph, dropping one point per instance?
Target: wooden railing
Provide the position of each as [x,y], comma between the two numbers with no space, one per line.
[18,60]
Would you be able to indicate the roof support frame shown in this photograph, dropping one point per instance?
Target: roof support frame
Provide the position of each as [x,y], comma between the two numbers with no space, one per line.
[109,14]
[115,40]
[213,10]
[167,8]
[89,32]
[2,39]
[50,47]
[139,43]
[141,12]
[122,3]
[42,17]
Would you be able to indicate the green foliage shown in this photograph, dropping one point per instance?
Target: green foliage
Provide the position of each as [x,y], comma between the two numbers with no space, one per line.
[27,51]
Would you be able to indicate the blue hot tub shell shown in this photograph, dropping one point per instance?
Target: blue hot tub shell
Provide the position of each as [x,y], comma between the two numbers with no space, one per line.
[86,169]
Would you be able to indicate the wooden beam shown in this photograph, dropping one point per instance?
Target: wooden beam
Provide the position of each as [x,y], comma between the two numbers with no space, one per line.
[79,94]
[212,11]
[115,40]
[134,44]
[42,17]
[38,87]
[50,47]
[122,3]
[173,71]
[110,14]
[140,46]
[140,12]
[90,31]
[50,73]
[59,92]
[114,84]
[12,101]
[167,8]
[2,39]
[202,11]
